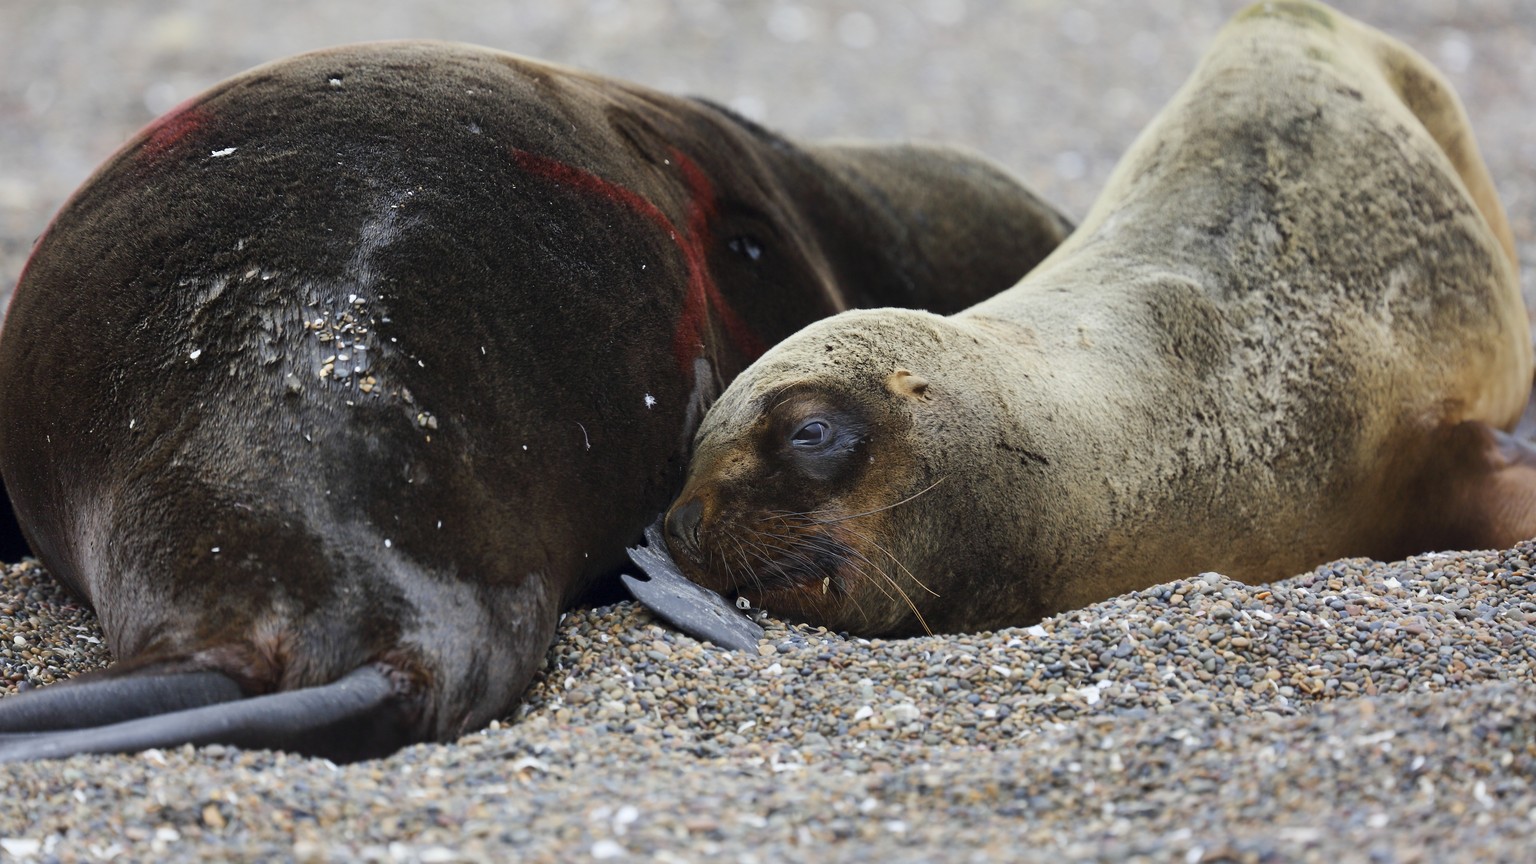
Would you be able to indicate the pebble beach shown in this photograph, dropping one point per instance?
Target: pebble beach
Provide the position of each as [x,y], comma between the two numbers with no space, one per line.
[1365,711]
[1362,712]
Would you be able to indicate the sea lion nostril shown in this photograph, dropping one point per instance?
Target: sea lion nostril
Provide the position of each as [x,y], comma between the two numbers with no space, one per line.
[683,524]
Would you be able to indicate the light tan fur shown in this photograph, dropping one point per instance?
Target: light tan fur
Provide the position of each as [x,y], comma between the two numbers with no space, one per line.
[1281,337]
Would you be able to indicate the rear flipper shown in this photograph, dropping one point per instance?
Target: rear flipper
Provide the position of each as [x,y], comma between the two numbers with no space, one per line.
[1486,496]
[100,701]
[363,715]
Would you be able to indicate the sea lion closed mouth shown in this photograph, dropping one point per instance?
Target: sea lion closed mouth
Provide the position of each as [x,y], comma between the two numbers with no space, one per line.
[1289,331]
[335,385]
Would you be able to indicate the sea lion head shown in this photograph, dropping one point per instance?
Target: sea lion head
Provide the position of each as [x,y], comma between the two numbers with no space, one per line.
[805,495]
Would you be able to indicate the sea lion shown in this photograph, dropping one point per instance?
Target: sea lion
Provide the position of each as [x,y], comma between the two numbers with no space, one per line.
[1289,331]
[337,383]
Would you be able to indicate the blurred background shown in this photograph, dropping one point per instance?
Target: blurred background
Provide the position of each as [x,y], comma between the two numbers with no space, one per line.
[1054,89]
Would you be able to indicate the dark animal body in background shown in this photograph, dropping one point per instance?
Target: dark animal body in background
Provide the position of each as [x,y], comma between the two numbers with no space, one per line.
[339,381]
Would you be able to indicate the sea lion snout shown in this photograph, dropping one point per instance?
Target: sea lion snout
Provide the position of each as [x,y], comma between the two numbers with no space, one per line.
[682,527]
[690,528]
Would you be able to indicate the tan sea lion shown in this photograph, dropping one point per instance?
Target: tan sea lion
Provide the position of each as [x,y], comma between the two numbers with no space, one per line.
[336,384]
[1289,331]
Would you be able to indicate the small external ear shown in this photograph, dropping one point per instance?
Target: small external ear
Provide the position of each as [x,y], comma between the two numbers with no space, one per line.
[903,382]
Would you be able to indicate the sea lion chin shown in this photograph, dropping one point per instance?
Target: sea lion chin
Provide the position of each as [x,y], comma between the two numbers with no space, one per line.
[1289,331]
[337,383]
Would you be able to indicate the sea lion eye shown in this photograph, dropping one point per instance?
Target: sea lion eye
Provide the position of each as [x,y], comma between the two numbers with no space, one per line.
[746,246]
[812,434]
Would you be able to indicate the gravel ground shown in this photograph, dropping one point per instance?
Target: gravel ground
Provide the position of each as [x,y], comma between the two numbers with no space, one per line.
[1363,712]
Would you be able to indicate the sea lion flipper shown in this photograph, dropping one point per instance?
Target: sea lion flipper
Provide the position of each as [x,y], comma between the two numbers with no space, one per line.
[1510,487]
[100,701]
[695,610]
[1489,493]
[356,717]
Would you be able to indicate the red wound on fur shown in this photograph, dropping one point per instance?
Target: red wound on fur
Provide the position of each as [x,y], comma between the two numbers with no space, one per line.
[158,137]
[702,293]
[170,129]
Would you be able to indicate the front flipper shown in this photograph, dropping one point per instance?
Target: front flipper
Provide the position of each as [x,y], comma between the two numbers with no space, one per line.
[1483,489]
[691,608]
[363,715]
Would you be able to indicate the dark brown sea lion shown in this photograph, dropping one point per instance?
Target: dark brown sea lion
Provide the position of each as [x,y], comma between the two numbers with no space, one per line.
[1289,331]
[336,384]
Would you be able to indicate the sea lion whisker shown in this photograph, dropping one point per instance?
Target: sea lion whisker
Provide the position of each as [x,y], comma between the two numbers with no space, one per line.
[760,551]
[807,564]
[910,498]
[846,554]
[725,563]
[741,559]
[901,592]
[897,561]
[806,517]
[745,553]
[776,550]
[907,598]
[790,519]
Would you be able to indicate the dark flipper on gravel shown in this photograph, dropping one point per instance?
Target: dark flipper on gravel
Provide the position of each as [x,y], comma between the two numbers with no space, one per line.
[357,717]
[691,608]
[104,701]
